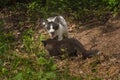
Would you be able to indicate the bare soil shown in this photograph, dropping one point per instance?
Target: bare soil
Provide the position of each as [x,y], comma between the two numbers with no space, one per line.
[106,39]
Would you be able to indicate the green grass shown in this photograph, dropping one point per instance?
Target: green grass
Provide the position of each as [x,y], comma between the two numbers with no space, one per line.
[15,67]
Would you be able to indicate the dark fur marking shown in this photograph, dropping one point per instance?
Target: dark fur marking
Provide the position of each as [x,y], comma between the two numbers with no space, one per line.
[54,24]
[71,47]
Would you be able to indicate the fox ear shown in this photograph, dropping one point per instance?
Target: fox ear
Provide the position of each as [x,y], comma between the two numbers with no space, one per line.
[57,19]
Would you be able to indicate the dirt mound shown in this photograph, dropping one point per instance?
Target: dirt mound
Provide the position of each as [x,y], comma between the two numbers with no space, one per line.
[106,39]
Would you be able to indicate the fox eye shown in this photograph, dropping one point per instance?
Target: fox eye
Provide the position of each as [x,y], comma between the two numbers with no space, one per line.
[56,27]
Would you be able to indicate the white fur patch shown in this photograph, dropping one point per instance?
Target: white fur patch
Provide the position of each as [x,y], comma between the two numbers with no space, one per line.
[51,29]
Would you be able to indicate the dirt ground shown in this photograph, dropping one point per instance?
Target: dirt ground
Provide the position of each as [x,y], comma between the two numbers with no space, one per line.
[106,39]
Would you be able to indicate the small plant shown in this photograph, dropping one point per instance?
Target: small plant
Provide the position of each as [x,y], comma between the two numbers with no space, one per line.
[48,68]
[28,40]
